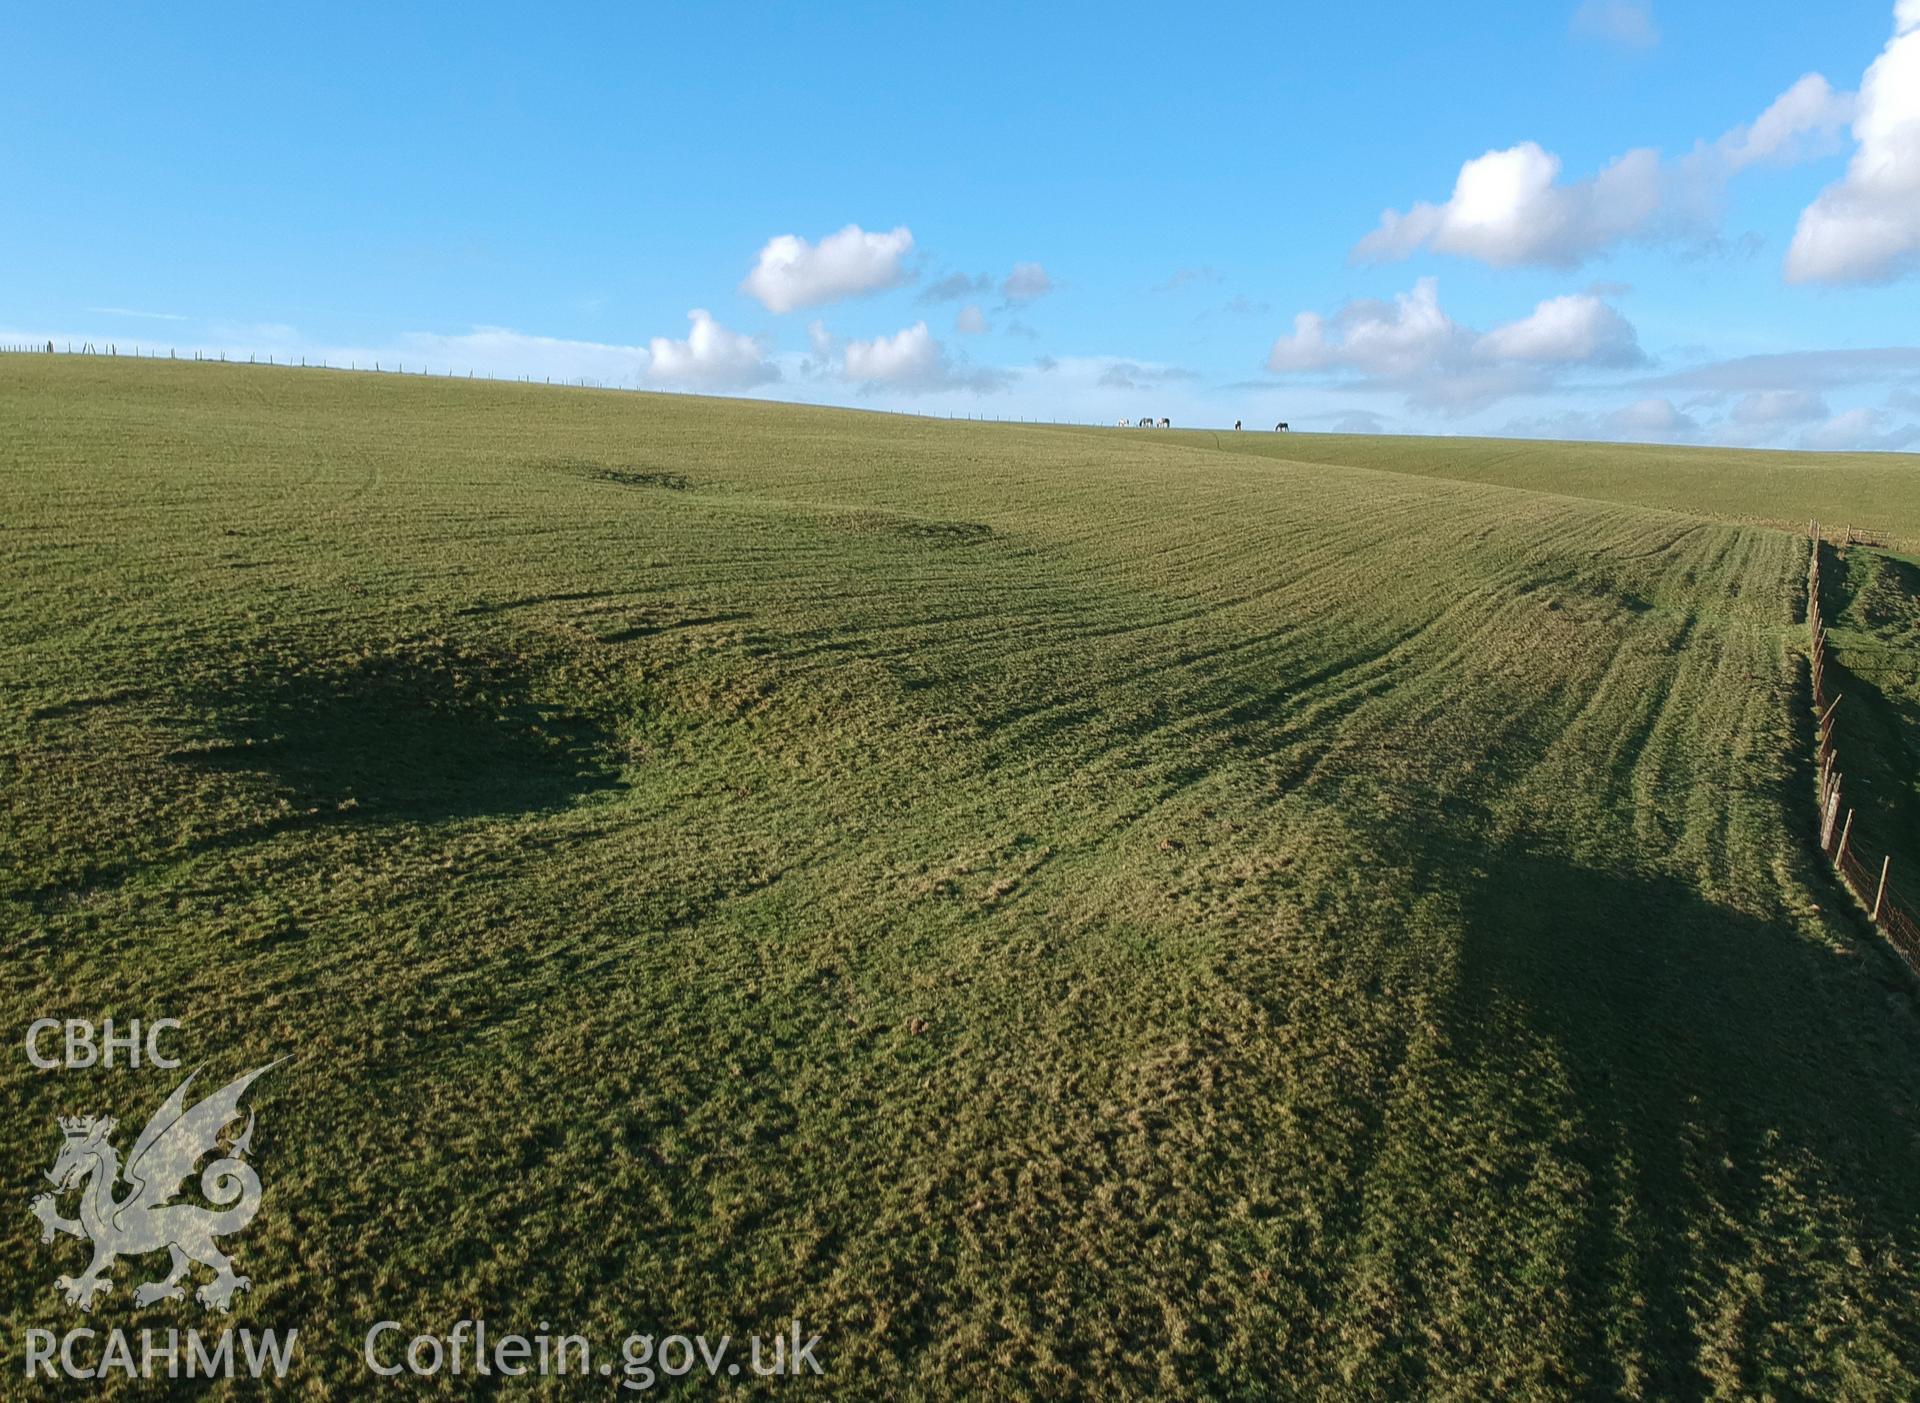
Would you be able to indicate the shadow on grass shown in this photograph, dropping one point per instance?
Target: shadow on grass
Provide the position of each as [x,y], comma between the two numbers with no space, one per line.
[416,732]
[1873,667]
[1702,1049]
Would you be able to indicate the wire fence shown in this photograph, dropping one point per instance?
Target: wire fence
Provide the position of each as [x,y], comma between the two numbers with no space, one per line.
[1864,870]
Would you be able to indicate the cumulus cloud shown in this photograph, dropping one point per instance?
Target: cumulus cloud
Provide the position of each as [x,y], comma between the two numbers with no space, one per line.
[908,356]
[1578,329]
[711,358]
[791,273]
[1865,228]
[1628,23]
[1803,122]
[912,359]
[1412,345]
[971,321]
[1026,282]
[1409,335]
[1510,207]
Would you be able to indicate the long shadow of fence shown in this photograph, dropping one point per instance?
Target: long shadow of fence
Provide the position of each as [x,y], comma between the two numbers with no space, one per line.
[1866,871]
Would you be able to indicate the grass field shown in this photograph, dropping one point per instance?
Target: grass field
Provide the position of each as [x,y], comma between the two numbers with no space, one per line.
[1877,492]
[1063,913]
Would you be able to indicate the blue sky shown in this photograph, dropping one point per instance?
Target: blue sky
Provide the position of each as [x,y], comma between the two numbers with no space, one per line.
[1062,211]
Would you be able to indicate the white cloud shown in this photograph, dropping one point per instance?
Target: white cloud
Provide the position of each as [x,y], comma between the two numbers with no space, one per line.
[1802,122]
[970,322]
[1625,22]
[910,356]
[1866,227]
[911,359]
[711,358]
[1651,418]
[1578,329]
[1026,282]
[1510,207]
[792,273]
[1407,337]
[1411,345]
[1856,430]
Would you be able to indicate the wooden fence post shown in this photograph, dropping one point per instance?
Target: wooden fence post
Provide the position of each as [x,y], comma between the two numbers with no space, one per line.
[1880,896]
[1846,832]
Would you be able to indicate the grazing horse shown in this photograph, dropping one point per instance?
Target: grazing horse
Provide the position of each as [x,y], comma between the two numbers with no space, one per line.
[1236,426]
[1147,422]
[1166,423]
[1281,427]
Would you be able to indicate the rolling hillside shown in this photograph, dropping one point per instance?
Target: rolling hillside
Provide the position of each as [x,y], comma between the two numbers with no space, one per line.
[1059,912]
[1879,492]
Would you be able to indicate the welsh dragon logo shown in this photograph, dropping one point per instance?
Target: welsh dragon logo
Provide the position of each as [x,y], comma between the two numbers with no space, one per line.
[145,1218]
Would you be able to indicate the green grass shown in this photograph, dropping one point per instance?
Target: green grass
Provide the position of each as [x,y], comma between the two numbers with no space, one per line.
[1877,492]
[1064,913]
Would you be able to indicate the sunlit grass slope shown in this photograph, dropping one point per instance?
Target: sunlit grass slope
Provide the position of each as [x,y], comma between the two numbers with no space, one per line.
[1879,492]
[1062,913]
